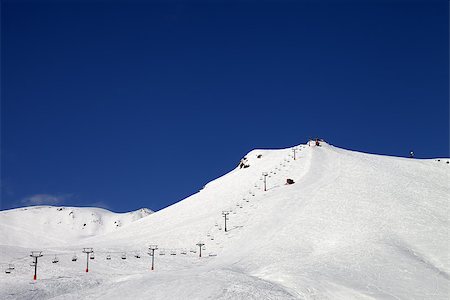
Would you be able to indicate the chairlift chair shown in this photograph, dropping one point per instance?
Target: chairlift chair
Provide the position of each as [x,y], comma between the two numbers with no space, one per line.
[162,252]
[8,271]
[55,260]
[137,255]
[184,252]
[173,252]
[124,256]
[74,258]
[92,256]
[108,257]
[11,267]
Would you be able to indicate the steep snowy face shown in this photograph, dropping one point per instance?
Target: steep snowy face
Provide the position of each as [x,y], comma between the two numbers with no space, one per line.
[350,224]
[39,226]
[191,219]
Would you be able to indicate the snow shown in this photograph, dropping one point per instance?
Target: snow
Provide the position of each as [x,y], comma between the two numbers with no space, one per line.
[352,226]
[45,226]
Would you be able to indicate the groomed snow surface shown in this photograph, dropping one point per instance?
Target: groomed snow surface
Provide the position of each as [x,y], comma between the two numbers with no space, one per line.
[352,226]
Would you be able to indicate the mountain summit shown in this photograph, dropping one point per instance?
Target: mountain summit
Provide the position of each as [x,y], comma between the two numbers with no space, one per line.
[329,224]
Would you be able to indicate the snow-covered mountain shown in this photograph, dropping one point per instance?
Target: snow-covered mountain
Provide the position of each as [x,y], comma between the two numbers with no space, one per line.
[39,226]
[351,226]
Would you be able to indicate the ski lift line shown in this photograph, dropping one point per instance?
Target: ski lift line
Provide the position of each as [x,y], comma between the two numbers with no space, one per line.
[182,251]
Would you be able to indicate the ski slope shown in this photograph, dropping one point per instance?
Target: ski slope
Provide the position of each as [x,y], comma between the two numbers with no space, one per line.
[352,226]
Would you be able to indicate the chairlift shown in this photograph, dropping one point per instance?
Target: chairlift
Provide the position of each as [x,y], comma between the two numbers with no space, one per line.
[124,256]
[55,259]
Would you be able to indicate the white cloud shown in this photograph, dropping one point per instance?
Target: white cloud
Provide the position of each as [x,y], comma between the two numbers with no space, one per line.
[44,199]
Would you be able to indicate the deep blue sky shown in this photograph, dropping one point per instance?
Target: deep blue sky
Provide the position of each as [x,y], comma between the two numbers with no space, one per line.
[139,105]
